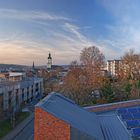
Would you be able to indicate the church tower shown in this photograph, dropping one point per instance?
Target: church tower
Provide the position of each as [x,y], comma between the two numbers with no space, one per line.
[49,64]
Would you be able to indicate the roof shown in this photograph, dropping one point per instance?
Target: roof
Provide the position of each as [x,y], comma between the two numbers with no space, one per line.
[113,128]
[16,74]
[26,83]
[110,104]
[23,83]
[78,118]
[8,83]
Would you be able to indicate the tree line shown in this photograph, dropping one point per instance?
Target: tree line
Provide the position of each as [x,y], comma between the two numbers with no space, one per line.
[86,82]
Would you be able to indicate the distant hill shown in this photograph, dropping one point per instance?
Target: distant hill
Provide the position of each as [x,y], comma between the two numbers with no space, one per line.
[5,67]
[12,67]
[45,67]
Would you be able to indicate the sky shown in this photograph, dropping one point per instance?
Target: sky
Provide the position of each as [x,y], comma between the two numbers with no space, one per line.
[30,29]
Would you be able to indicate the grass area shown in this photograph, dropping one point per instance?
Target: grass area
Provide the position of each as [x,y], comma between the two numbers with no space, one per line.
[21,116]
[6,126]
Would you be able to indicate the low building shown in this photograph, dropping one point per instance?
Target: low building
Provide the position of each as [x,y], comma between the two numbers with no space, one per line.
[16,76]
[58,118]
[12,76]
[13,94]
[4,76]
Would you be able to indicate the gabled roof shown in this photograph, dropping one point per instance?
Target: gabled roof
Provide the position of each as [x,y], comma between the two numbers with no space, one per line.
[78,118]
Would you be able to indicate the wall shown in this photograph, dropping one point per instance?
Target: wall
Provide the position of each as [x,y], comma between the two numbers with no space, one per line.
[112,106]
[48,127]
[79,135]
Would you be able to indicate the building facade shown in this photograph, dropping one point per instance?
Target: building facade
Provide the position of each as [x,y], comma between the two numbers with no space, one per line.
[13,94]
[113,67]
[59,118]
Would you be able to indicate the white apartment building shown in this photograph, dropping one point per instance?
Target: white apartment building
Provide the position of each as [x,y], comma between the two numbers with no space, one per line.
[113,67]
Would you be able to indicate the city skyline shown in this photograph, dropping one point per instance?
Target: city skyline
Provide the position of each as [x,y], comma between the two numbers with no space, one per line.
[29,30]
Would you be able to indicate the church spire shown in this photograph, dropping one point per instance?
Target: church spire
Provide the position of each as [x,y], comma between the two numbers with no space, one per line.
[33,65]
[33,69]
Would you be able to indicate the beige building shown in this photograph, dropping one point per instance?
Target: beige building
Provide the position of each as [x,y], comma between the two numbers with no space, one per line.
[12,76]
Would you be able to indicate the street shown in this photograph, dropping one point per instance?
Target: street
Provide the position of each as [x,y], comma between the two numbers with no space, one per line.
[26,133]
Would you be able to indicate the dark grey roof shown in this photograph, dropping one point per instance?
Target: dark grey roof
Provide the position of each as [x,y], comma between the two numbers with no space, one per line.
[26,83]
[76,116]
[113,128]
[23,83]
[8,83]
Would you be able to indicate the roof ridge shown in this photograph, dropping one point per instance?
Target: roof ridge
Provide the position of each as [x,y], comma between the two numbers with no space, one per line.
[50,96]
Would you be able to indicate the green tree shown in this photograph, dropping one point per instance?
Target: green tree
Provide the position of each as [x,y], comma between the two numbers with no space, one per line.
[127,89]
[138,84]
[107,92]
[138,87]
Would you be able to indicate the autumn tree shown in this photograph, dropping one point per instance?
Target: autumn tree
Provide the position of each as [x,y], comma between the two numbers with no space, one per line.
[129,74]
[93,62]
[73,86]
[130,66]
[83,78]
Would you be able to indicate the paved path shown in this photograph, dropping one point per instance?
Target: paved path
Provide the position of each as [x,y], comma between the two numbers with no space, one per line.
[26,133]
[28,122]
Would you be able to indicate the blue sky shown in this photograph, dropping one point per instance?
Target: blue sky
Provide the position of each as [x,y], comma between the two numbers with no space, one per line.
[29,29]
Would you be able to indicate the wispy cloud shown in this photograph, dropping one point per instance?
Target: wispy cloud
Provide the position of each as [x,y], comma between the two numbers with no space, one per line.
[125,32]
[21,52]
[75,31]
[30,15]
[24,52]
[65,44]
[63,37]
